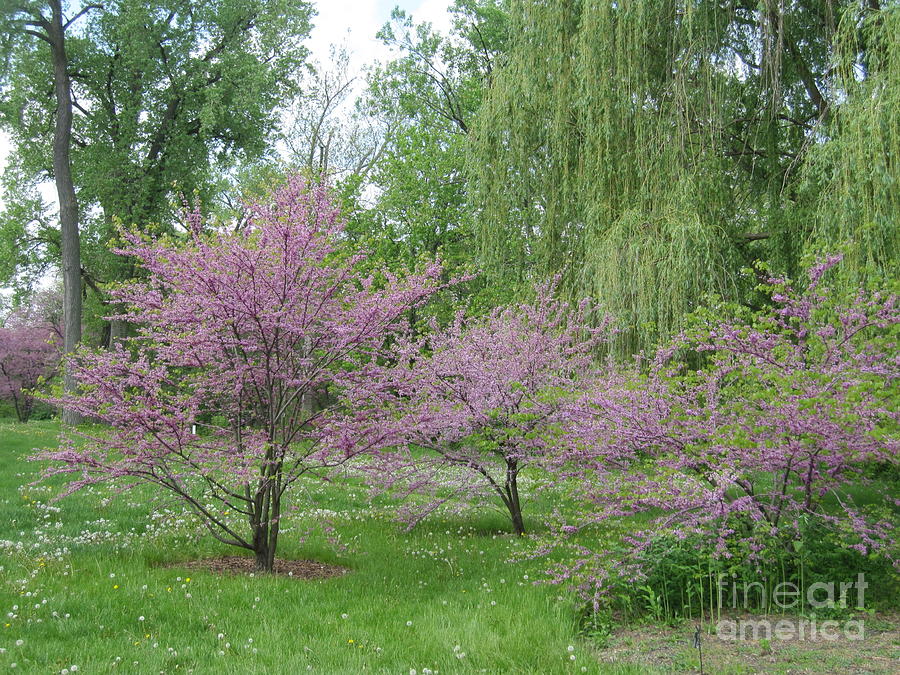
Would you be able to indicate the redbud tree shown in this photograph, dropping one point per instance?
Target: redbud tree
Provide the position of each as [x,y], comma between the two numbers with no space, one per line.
[29,353]
[234,334]
[789,407]
[464,409]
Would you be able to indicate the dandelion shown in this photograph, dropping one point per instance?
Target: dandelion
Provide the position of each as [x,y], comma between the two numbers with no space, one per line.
[571,657]
[19,643]
[140,618]
[409,623]
[344,616]
[570,649]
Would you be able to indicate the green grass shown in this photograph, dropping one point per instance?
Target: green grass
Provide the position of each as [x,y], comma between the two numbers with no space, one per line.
[93,581]
[88,581]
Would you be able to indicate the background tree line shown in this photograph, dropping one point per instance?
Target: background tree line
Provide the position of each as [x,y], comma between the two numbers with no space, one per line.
[647,152]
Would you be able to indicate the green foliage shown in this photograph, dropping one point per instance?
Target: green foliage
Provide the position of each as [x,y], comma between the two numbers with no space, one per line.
[168,95]
[29,237]
[682,579]
[648,150]
[428,96]
[852,181]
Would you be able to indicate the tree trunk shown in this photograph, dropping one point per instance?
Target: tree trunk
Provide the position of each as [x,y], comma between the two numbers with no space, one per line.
[308,397]
[262,556]
[265,522]
[518,524]
[68,206]
[118,330]
[512,497]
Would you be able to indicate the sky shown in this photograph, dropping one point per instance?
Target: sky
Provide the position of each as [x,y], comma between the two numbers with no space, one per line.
[350,22]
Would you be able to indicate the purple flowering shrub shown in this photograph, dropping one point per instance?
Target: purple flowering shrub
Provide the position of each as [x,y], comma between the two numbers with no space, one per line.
[744,433]
[235,333]
[464,409]
[30,337]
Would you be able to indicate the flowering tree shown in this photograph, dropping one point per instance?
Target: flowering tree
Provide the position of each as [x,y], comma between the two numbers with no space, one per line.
[790,406]
[29,352]
[243,328]
[464,409]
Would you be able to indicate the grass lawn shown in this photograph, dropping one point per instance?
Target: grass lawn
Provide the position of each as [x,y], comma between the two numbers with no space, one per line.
[96,583]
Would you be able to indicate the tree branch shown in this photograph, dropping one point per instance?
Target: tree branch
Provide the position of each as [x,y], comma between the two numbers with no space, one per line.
[84,10]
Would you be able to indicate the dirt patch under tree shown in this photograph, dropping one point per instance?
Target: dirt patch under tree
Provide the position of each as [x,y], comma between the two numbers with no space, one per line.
[234,564]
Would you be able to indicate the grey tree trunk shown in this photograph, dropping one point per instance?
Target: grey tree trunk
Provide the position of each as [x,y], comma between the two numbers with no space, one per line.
[512,497]
[117,333]
[65,189]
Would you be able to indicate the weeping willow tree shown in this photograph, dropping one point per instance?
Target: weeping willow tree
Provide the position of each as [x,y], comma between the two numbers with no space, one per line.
[649,150]
[852,186]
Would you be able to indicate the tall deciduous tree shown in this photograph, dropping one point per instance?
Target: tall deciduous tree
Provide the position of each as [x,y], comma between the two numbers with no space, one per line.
[164,96]
[327,135]
[45,22]
[849,192]
[429,95]
[240,326]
